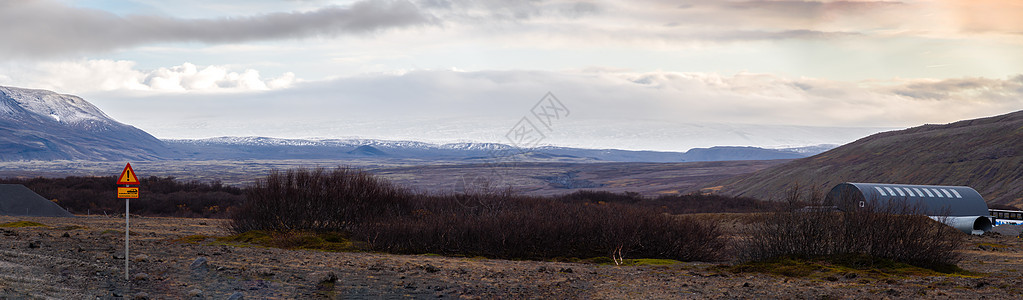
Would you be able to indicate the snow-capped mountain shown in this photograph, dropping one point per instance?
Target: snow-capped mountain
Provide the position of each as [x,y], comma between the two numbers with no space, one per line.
[63,109]
[240,148]
[43,125]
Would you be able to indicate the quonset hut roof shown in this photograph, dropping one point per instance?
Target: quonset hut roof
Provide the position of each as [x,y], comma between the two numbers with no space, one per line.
[934,200]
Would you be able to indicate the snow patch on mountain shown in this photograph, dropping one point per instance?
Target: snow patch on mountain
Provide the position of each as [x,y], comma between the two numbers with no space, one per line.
[64,109]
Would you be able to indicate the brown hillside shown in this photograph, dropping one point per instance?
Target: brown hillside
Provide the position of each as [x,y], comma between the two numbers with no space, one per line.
[986,154]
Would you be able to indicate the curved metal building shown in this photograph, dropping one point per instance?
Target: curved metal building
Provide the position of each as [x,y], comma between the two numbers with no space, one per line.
[961,207]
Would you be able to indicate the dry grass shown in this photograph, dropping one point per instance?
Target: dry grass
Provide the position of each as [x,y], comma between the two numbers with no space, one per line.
[18,224]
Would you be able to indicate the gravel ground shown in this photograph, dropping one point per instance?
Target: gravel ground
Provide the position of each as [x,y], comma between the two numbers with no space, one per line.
[77,258]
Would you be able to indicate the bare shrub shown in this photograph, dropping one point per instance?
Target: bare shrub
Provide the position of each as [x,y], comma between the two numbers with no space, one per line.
[483,221]
[318,199]
[161,196]
[677,203]
[539,228]
[893,231]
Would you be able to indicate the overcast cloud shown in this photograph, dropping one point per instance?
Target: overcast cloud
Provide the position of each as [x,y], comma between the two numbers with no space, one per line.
[463,102]
[45,28]
[463,68]
[39,28]
[87,76]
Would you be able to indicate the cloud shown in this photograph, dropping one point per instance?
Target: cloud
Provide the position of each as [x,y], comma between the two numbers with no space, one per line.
[963,89]
[609,108]
[40,28]
[47,28]
[619,97]
[88,76]
[568,23]
[987,15]
[748,98]
[502,10]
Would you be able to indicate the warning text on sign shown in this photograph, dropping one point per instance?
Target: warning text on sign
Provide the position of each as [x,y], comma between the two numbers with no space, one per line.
[127,192]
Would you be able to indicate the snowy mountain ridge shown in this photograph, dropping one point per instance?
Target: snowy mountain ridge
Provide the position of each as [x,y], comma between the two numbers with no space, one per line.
[269,141]
[43,125]
[65,109]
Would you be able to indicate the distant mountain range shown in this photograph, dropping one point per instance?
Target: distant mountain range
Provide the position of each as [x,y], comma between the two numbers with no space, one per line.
[742,153]
[236,148]
[986,154]
[43,125]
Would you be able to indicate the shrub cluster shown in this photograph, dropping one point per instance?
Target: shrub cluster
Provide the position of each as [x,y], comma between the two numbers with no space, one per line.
[302,199]
[895,232]
[482,223]
[538,228]
[160,196]
[678,203]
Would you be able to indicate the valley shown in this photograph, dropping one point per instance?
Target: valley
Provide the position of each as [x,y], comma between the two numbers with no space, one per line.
[530,178]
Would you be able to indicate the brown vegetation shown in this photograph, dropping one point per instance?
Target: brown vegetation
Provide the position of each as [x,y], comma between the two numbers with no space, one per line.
[302,199]
[160,196]
[897,233]
[484,223]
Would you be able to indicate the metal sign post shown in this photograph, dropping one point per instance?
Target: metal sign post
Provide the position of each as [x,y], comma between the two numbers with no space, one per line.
[127,213]
[127,192]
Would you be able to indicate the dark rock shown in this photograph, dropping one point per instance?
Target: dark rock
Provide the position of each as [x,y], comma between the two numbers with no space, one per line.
[199,265]
[430,268]
[140,277]
[327,277]
[566,270]
[746,284]
[195,293]
[67,235]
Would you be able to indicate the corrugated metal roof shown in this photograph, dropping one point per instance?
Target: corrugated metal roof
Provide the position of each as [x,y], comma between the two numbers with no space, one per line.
[935,200]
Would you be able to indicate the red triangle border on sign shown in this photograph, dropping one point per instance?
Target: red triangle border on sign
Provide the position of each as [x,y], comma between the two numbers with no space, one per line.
[128,176]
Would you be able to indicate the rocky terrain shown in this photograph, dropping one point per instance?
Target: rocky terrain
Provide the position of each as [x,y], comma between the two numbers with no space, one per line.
[82,257]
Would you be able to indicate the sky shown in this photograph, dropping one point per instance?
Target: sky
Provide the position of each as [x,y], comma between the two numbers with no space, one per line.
[643,75]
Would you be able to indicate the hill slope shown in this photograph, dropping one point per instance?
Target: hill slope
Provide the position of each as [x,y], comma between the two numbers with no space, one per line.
[43,125]
[986,154]
[723,153]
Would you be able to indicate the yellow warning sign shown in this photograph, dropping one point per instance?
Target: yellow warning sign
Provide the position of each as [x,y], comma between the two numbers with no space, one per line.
[127,192]
[128,176]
